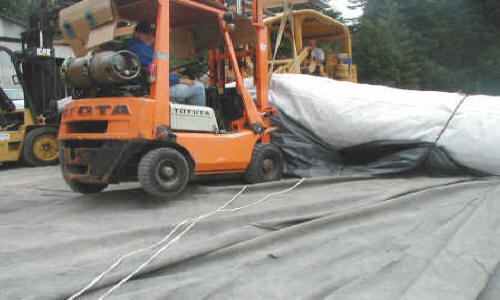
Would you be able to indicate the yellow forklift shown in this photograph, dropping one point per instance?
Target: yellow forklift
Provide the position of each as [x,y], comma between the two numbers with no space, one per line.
[29,133]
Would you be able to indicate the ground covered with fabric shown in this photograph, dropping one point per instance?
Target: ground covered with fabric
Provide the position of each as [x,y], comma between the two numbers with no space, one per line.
[355,237]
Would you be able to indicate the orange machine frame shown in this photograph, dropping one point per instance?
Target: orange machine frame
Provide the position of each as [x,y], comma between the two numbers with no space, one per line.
[131,119]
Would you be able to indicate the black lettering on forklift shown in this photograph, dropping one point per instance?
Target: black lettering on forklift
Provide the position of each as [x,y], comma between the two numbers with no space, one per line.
[188,111]
[120,110]
[85,110]
[102,109]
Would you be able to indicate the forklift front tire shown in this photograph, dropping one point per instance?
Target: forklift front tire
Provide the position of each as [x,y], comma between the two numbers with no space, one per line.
[86,188]
[163,172]
[40,147]
[266,165]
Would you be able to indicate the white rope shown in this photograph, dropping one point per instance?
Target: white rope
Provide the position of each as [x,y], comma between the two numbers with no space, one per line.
[195,221]
[289,10]
[113,266]
[278,41]
[118,262]
[265,198]
[287,15]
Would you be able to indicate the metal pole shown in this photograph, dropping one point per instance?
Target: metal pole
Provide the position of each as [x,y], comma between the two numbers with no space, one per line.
[239,6]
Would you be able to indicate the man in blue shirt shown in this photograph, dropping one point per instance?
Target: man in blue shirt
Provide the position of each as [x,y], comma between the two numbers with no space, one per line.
[181,89]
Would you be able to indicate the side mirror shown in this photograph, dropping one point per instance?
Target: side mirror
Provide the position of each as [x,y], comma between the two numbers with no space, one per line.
[5,103]
[15,79]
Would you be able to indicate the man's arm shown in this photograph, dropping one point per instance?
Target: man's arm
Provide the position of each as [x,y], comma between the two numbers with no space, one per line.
[175,79]
[187,81]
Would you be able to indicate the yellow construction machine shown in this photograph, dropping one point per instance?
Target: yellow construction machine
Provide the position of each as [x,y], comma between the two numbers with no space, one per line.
[301,29]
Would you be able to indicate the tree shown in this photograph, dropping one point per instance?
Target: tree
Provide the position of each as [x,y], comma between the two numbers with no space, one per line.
[447,45]
[383,48]
[17,9]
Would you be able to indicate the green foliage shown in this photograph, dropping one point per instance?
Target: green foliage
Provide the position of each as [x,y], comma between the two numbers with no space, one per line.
[449,45]
[15,8]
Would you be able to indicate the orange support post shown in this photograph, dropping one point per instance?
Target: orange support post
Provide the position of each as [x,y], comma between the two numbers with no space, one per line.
[211,66]
[261,75]
[250,108]
[160,89]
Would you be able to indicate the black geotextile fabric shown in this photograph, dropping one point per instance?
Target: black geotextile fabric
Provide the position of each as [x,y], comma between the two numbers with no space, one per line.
[306,155]
[348,237]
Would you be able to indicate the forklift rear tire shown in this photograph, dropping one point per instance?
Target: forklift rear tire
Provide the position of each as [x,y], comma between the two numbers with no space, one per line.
[266,165]
[163,172]
[86,188]
[40,147]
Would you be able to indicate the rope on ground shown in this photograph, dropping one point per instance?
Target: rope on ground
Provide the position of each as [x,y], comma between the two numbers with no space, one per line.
[265,197]
[193,223]
[50,190]
[190,224]
[152,246]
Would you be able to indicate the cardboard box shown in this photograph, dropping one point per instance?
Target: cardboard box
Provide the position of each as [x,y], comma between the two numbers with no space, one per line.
[88,24]
[182,44]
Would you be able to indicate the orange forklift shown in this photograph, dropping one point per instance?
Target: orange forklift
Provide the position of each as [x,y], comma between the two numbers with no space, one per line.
[119,130]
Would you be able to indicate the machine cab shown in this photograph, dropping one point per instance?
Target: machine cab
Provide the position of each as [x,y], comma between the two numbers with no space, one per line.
[311,26]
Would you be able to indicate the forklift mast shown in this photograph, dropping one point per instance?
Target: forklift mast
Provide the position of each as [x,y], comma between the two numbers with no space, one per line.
[40,68]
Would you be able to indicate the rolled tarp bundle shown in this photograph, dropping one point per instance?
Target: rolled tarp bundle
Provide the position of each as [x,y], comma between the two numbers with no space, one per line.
[344,126]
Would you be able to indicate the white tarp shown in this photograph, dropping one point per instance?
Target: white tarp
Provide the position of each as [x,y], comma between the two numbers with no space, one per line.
[473,136]
[344,114]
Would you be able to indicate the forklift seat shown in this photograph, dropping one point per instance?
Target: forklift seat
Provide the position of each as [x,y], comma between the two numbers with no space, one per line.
[5,103]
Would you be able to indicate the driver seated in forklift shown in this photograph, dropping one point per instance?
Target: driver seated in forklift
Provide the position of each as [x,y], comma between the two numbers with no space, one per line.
[160,144]
[182,90]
